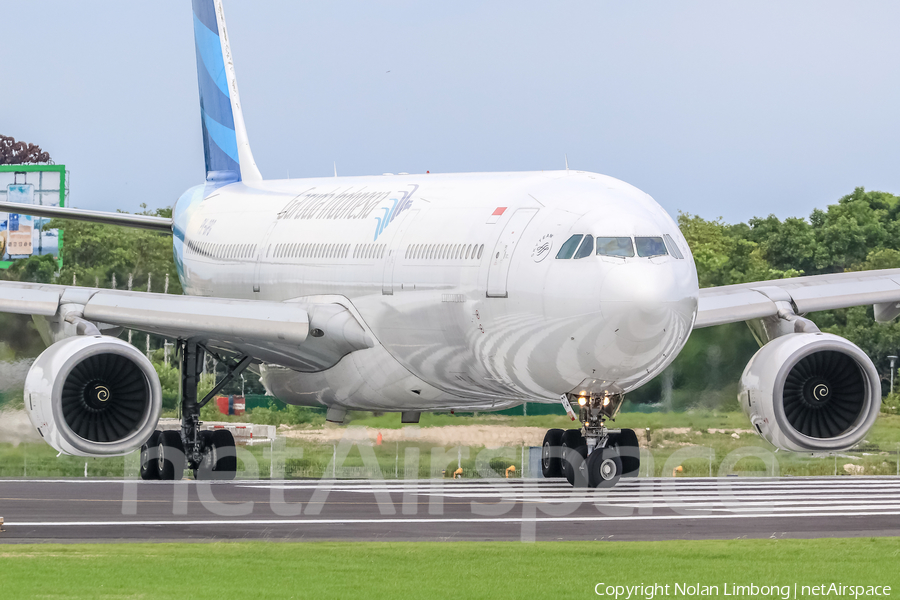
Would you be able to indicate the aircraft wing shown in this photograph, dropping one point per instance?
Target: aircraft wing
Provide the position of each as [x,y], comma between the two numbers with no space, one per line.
[162,224]
[746,301]
[308,333]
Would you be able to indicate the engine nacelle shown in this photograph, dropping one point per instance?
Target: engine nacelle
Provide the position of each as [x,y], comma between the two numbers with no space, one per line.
[811,392]
[93,396]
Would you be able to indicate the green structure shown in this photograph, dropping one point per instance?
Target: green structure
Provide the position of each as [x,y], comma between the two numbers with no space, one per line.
[22,236]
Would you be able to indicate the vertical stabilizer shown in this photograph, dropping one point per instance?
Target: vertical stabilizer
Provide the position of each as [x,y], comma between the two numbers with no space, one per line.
[225,145]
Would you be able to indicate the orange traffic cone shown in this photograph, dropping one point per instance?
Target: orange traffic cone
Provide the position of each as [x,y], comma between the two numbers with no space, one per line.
[378,439]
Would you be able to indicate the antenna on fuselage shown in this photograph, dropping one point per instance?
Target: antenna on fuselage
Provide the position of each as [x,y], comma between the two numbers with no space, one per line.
[567,163]
[335,168]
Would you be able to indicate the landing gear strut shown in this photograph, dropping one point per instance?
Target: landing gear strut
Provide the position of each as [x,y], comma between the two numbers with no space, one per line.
[593,456]
[210,454]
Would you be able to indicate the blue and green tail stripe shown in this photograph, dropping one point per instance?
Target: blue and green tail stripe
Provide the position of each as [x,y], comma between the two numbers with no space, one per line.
[219,140]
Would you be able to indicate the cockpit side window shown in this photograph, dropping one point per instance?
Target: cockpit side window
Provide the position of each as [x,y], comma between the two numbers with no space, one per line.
[568,248]
[586,248]
[650,246]
[673,247]
[615,246]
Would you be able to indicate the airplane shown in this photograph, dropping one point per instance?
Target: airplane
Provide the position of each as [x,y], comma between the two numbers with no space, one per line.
[426,292]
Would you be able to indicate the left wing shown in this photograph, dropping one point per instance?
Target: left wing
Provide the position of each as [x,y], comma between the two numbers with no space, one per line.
[747,301]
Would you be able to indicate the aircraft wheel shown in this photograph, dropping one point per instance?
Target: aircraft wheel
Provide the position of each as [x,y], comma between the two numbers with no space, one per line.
[577,474]
[170,458]
[551,466]
[204,469]
[604,467]
[571,441]
[148,458]
[629,452]
[219,458]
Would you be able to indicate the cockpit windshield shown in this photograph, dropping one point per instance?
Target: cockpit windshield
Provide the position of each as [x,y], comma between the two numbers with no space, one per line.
[586,248]
[582,246]
[568,248]
[650,246]
[615,246]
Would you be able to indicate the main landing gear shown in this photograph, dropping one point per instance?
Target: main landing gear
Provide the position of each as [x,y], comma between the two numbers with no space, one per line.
[210,454]
[592,456]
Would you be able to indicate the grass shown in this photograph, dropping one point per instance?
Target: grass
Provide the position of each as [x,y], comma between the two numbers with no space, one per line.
[433,570]
[668,449]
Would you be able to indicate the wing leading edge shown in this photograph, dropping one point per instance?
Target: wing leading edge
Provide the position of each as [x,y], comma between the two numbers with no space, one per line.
[93,216]
[747,301]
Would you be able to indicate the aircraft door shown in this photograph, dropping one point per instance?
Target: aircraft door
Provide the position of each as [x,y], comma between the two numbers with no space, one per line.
[395,251]
[503,251]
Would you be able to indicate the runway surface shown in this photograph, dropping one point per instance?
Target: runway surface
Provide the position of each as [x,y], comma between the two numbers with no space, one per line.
[75,510]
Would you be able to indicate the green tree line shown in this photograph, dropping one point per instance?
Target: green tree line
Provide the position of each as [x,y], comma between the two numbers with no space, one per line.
[858,233]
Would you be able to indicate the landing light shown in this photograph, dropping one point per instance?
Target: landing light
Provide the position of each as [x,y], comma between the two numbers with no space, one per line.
[582,401]
[606,402]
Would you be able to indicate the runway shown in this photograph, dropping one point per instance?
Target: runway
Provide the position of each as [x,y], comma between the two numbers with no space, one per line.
[84,510]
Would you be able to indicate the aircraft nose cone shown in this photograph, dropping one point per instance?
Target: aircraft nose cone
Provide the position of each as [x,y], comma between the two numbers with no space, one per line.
[646,300]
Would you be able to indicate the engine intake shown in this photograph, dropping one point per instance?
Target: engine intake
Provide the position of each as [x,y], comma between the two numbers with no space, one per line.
[93,396]
[811,392]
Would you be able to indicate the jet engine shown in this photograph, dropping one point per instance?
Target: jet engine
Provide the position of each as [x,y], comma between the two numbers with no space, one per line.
[93,396]
[811,392]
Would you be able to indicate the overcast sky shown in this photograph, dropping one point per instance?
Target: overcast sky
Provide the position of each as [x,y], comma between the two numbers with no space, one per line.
[716,108]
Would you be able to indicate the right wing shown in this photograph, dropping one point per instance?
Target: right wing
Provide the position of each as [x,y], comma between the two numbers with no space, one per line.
[306,334]
[93,216]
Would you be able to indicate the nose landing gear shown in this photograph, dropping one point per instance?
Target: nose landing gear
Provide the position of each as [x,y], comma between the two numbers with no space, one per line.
[592,456]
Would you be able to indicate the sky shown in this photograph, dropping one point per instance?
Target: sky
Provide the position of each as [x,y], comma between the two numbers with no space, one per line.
[731,109]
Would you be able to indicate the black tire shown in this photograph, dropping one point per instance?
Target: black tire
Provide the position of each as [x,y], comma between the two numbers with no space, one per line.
[577,474]
[149,470]
[571,459]
[170,460]
[604,467]
[204,470]
[629,452]
[219,458]
[551,464]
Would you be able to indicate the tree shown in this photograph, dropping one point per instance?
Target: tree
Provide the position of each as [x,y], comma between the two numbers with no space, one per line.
[97,252]
[34,269]
[20,153]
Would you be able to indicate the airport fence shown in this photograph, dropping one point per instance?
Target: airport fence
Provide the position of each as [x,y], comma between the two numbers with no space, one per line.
[282,458]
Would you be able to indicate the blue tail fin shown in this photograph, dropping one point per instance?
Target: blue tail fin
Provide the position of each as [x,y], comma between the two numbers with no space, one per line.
[225,145]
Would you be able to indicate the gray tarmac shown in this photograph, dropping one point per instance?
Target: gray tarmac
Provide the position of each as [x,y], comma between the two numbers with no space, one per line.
[86,510]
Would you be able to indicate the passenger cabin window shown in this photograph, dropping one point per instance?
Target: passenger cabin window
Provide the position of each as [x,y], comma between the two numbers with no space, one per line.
[568,248]
[650,246]
[615,246]
[586,248]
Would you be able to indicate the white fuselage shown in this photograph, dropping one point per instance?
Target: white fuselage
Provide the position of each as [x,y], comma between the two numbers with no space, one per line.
[456,276]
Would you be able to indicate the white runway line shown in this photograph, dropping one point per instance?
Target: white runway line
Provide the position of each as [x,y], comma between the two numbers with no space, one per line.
[695,499]
[389,521]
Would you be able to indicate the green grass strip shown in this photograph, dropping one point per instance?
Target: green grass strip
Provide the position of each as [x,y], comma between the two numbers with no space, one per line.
[493,570]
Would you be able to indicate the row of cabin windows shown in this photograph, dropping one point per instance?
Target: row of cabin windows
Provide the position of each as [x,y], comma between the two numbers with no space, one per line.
[221,250]
[581,246]
[316,250]
[365,251]
[444,251]
[369,251]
